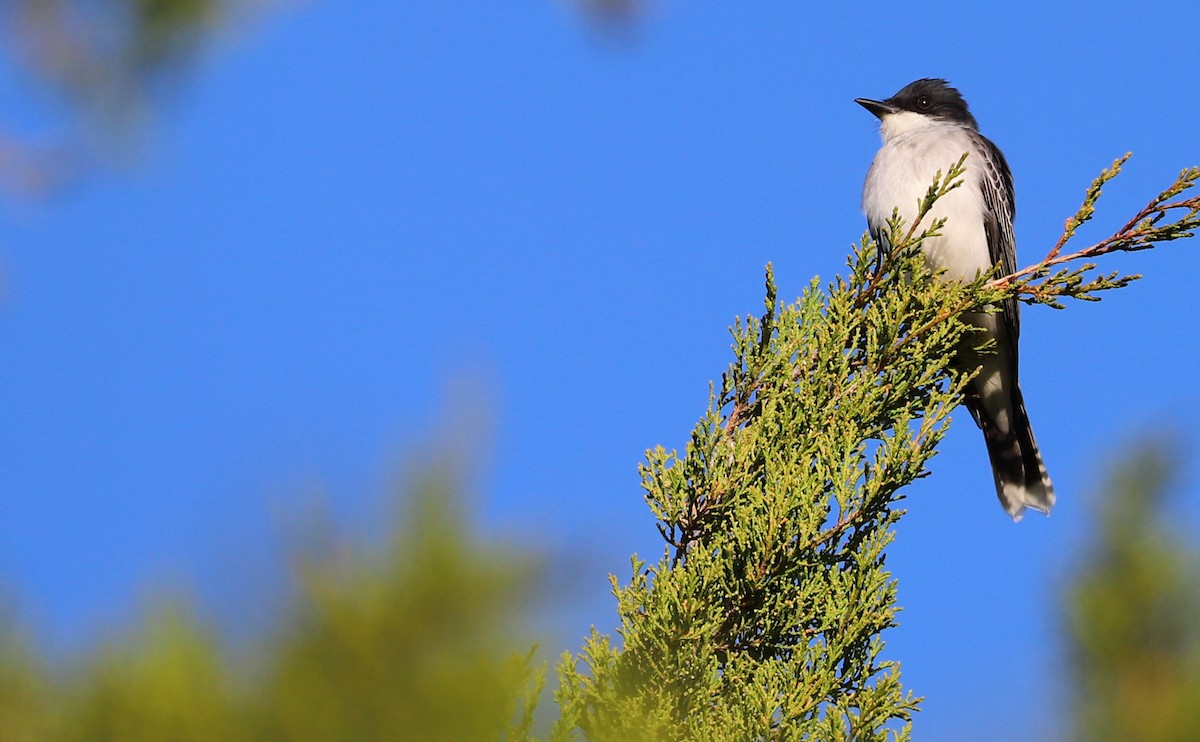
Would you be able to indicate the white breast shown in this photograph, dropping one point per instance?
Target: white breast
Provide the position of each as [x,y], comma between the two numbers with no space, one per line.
[914,149]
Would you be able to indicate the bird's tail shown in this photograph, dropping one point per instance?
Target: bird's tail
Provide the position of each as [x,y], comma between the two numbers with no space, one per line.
[1021,478]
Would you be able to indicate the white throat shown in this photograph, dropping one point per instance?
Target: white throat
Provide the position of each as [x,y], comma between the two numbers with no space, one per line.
[896,125]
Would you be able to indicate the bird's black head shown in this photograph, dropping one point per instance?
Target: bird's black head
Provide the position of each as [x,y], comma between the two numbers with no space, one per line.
[929,97]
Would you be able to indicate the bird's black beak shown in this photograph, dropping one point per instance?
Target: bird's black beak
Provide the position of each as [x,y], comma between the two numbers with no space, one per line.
[877,107]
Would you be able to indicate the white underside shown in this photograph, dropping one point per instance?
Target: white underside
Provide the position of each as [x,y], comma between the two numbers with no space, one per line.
[915,148]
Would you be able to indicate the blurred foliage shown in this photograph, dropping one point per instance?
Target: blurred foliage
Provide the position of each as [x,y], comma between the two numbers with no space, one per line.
[102,62]
[613,11]
[107,53]
[420,640]
[764,617]
[24,688]
[1133,614]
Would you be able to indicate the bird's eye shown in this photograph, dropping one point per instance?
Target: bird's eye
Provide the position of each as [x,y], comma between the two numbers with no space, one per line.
[923,102]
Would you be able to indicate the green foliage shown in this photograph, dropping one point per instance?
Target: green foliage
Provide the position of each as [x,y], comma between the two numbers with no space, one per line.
[419,641]
[24,697]
[418,647]
[1166,218]
[1133,637]
[763,618]
[165,682]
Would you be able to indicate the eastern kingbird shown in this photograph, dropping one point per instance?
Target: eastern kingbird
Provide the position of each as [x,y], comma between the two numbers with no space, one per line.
[927,127]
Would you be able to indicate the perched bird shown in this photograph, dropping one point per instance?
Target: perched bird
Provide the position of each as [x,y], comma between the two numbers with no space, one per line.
[927,127]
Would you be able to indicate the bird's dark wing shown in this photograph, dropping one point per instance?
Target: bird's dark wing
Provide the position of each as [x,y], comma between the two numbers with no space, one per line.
[999,210]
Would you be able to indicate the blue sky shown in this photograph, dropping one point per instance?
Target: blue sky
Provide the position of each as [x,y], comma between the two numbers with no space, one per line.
[359,224]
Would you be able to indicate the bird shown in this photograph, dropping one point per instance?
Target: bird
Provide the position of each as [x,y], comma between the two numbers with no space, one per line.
[927,127]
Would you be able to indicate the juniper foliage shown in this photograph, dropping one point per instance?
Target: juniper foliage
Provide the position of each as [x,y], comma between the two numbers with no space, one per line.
[763,618]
